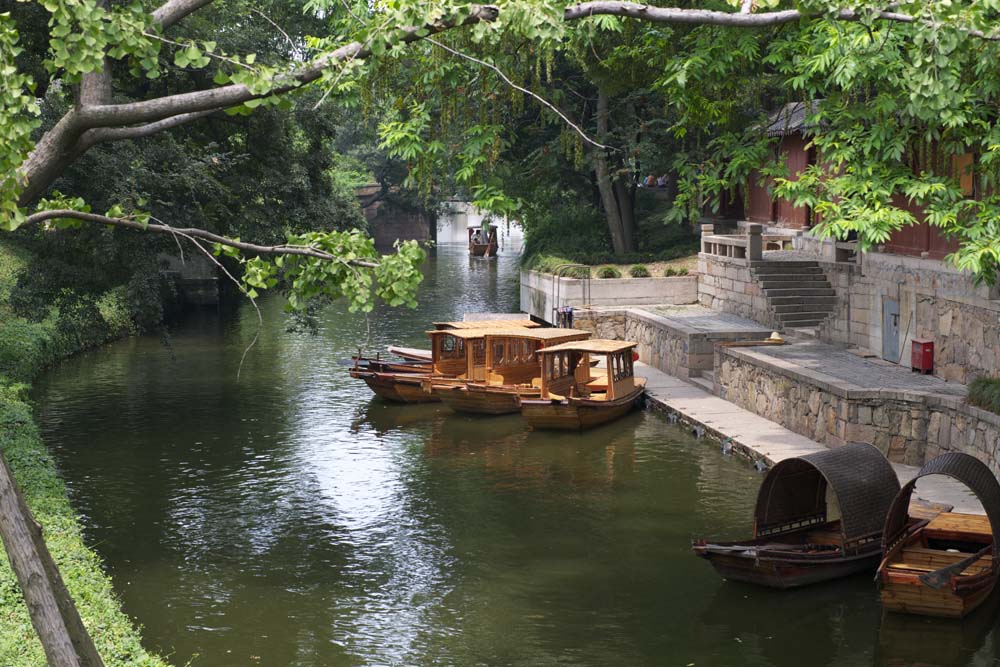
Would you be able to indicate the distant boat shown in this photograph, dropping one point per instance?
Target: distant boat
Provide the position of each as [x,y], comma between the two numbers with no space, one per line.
[483,243]
[491,368]
[573,395]
[796,539]
[945,566]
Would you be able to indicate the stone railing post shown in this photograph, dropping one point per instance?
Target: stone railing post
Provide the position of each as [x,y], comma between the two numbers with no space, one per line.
[706,230]
[755,242]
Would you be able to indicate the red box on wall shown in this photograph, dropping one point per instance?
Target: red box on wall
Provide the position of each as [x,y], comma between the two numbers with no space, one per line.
[922,359]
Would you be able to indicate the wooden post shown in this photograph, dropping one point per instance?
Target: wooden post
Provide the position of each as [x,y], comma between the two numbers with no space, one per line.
[53,614]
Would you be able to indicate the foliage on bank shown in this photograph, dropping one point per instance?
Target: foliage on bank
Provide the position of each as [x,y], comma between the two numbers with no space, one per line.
[27,346]
[984,392]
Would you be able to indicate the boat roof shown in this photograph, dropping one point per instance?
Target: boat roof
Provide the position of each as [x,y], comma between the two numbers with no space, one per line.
[968,470]
[531,334]
[595,345]
[488,324]
[794,491]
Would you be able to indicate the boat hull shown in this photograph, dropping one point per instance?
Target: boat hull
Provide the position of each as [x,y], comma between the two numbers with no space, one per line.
[483,249]
[479,400]
[775,571]
[396,387]
[575,414]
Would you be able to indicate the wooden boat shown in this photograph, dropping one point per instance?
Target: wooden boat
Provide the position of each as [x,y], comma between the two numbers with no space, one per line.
[499,367]
[945,566]
[575,395]
[797,540]
[401,381]
[483,243]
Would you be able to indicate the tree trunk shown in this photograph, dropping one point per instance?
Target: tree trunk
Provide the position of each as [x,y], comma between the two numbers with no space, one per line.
[53,614]
[604,183]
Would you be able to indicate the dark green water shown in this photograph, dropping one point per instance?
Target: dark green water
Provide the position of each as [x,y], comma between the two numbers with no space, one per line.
[288,518]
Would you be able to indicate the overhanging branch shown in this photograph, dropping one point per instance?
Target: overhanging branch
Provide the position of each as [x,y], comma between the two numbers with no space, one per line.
[194,232]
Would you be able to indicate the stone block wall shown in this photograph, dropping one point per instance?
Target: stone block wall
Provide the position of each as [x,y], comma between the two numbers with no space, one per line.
[908,427]
[727,285]
[936,302]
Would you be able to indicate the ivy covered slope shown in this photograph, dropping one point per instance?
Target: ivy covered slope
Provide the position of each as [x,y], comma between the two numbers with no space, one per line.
[25,347]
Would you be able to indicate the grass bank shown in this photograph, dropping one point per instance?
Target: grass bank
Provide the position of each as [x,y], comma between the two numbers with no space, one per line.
[26,347]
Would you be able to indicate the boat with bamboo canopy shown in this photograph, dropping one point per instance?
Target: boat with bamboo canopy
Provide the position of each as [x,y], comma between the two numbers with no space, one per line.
[818,517]
[483,241]
[492,368]
[575,395]
[945,566]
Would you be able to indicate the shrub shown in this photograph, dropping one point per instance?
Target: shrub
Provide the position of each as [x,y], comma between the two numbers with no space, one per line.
[608,272]
[669,271]
[682,271]
[639,271]
[984,392]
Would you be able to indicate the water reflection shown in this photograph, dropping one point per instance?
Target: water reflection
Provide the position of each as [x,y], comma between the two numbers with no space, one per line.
[288,518]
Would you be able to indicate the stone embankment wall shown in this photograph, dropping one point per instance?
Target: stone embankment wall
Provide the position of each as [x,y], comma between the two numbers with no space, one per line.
[935,301]
[542,293]
[909,427]
[664,343]
[727,285]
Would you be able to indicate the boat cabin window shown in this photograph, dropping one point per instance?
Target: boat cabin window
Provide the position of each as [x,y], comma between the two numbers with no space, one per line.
[558,365]
[451,347]
[499,353]
[621,365]
[478,352]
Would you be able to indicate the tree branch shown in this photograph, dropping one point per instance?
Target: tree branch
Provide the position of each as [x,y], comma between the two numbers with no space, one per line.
[193,232]
[741,19]
[115,115]
[103,134]
[173,11]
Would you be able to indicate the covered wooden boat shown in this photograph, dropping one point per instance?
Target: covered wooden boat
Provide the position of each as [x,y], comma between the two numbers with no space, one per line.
[483,242]
[575,395]
[944,566]
[493,367]
[797,539]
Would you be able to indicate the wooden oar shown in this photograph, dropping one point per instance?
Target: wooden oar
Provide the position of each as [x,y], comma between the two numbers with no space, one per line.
[938,579]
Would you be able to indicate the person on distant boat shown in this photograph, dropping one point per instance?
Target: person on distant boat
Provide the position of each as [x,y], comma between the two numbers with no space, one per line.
[477,237]
[650,181]
[661,181]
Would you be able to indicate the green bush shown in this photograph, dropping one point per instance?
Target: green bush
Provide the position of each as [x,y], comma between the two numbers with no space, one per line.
[984,392]
[608,272]
[682,271]
[639,271]
[669,272]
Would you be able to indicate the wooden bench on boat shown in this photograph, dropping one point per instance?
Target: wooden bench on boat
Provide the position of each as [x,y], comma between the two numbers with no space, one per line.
[797,540]
[944,566]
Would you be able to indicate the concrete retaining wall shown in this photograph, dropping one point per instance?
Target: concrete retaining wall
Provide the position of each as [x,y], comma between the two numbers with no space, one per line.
[909,427]
[539,296]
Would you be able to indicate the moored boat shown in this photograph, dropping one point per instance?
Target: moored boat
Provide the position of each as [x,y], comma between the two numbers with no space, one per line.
[945,566]
[796,538]
[483,242]
[575,395]
[500,366]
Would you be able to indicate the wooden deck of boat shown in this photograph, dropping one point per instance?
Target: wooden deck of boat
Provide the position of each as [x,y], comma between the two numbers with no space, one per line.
[960,527]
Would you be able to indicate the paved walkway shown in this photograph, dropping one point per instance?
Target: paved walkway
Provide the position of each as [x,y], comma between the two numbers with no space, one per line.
[863,373]
[706,320]
[765,441]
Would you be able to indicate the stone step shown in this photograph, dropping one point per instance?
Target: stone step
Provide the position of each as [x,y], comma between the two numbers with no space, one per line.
[805,282]
[791,276]
[799,291]
[800,325]
[705,383]
[796,300]
[785,269]
[800,306]
[804,332]
[790,318]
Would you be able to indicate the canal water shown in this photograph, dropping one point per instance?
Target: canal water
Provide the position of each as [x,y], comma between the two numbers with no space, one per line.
[286,517]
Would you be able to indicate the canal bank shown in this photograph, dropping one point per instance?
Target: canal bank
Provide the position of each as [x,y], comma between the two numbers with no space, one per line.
[26,348]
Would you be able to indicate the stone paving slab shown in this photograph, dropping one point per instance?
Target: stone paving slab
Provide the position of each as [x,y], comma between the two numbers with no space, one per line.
[864,374]
[706,320]
[766,442]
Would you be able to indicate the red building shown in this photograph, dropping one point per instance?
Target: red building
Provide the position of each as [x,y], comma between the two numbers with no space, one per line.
[790,125]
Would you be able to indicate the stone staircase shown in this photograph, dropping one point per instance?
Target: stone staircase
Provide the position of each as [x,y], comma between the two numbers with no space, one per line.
[798,293]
